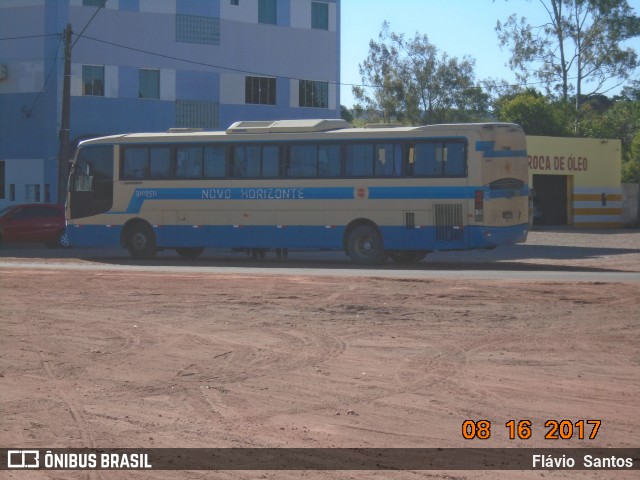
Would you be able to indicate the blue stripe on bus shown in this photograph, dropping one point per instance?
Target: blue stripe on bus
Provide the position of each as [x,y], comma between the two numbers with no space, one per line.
[488,150]
[417,193]
[140,195]
[300,237]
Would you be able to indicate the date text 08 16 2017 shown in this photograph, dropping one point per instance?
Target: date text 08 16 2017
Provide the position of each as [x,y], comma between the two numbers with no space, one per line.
[523,429]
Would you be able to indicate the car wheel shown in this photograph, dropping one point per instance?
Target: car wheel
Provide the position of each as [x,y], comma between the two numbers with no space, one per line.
[63,240]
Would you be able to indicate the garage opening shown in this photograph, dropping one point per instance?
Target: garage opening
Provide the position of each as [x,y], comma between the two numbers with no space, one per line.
[551,199]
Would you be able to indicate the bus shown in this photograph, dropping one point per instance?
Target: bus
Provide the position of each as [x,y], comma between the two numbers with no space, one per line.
[375,193]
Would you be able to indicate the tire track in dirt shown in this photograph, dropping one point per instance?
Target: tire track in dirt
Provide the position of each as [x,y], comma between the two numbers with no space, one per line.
[74,411]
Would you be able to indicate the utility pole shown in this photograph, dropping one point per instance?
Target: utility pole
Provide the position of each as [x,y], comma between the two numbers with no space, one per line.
[63,155]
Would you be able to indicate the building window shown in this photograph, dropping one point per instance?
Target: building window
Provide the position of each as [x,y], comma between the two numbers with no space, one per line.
[149,83]
[12,192]
[32,192]
[260,90]
[314,94]
[93,80]
[93,3]
[197,29]
[267,11]
[197,114]
[235,2]
[320,15]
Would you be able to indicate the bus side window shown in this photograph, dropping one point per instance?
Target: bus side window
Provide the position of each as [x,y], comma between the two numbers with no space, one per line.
[270,161]
[455,164]
[411,161]
[135,164]
[427,163]
[160,162]
[215,165]
[189,162]
[329,161]
[303,161]
[359,160]
[397,161]
[246,162]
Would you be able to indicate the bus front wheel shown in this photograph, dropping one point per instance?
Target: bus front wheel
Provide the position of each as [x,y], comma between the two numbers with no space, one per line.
[364,245]
[141,242]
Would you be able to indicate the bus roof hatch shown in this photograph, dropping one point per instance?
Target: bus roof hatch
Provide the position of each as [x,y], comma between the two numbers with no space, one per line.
[289,126]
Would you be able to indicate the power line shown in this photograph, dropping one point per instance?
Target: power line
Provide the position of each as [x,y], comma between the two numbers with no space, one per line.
[204,64]
[250,72]
[27,37]
[29,111]
[89,22]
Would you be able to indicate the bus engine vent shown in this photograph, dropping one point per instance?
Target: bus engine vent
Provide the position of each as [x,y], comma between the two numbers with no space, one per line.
[410,220]
[448,220]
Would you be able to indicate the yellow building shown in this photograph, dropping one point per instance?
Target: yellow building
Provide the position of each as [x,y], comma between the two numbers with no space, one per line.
[575,181]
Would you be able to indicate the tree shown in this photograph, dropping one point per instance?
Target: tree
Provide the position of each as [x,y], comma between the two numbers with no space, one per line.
[346,114]
[579,47]
[631,166]
[412,82]
[621,121]
[534,112]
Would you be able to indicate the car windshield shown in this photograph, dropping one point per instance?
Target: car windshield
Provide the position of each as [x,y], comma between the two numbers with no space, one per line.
[4,211]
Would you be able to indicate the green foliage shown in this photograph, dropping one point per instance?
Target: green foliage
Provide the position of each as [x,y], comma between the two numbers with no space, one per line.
[620,121]
[413,82]
[534,112]
[346,114]
[631,162]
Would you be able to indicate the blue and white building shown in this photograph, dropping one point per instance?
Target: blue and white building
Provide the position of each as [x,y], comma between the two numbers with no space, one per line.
[149,65]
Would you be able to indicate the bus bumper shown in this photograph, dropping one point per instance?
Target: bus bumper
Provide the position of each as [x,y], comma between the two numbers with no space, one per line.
[486,237]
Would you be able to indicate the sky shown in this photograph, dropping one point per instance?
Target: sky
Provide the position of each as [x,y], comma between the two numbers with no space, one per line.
[457,27]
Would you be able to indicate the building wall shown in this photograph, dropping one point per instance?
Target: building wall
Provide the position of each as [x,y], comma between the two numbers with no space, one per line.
[592,168]
[202,76]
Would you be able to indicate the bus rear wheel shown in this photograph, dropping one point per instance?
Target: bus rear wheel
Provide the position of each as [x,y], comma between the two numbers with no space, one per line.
[191,252]
[405,257]
[141,242]
[364,246]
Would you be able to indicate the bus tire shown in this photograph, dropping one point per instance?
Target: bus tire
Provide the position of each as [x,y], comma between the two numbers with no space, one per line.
[364,245]
[406,257]
[141,241]
[190,252]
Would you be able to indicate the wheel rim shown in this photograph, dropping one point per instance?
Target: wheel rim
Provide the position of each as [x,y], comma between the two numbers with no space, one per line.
[64,241]
[365,246]
[139,241]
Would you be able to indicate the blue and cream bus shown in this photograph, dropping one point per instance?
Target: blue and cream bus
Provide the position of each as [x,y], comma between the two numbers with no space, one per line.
[375,193]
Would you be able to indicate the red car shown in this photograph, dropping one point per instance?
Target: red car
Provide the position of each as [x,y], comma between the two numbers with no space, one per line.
[34,223]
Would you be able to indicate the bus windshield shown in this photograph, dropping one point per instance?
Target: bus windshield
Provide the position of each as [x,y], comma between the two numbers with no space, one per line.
[91,185]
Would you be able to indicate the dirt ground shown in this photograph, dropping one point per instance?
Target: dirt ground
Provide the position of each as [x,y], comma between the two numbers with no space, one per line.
[144,359]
